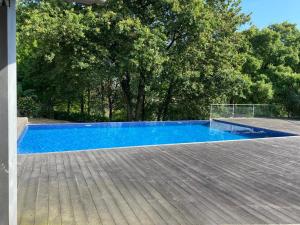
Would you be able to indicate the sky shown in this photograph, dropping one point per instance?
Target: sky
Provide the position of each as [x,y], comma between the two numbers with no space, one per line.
[267,12]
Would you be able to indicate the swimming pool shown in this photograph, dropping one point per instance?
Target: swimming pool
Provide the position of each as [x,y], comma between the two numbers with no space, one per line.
[86,136]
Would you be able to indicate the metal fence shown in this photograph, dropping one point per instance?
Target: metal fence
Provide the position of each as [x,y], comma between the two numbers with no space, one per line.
[243,110]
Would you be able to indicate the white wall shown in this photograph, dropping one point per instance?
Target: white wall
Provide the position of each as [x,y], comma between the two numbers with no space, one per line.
[8,135]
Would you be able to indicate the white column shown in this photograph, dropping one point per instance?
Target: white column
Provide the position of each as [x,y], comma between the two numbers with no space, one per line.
[8,136]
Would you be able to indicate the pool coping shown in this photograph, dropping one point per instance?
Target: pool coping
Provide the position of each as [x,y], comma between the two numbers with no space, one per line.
[256,127]
[160,145]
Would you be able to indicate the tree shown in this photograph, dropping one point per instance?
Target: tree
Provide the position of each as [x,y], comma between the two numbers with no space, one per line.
[152,59]
[272,63]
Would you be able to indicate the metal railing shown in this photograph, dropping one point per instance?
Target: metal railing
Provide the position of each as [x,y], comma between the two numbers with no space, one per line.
[243,110]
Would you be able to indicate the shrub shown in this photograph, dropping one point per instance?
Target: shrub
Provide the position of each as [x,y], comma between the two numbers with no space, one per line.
[27,106]
[79,117]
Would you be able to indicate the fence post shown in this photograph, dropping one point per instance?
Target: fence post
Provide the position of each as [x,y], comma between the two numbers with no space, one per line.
[233,111]
[253,110]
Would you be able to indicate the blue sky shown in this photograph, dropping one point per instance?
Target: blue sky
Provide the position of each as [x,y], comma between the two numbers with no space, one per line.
[266,12]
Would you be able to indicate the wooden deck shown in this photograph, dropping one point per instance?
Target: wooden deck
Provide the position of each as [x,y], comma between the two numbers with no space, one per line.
[240,182]
[291,126]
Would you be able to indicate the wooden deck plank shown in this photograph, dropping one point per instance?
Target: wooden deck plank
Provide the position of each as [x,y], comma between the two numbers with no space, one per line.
[112,204]
[227,182]
[21,167]
[255,181]
[23,182]
[42,199]
[152,202]
[28,211]
[99,199]
[76,200]
[65,202]
[158,190]
[116,190]
[54,216]
[140,199]
[90,176]
[204,199]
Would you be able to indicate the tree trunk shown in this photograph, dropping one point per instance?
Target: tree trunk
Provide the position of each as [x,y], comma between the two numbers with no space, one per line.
[89,102]
[102,97]
[140,98]
[168,101]
[110,100]
[48,109]
[82,104]
[69,107]
[159,113]
[125,84]
[51,111]
[164,108]
[143,110]
[110,106]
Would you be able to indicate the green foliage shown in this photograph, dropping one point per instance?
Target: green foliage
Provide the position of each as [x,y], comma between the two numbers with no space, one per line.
[78,117]
[27,106]
[272,63]
[151,60]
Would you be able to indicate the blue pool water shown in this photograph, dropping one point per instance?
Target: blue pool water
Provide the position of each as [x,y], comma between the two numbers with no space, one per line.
[71,137]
